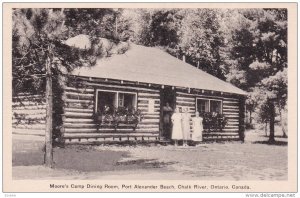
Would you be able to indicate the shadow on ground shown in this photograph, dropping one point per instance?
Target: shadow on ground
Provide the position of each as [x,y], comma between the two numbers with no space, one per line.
[276,136]
[276,143]
[86,159]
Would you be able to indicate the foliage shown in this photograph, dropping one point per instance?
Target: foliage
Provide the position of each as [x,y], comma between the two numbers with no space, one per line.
[39,35]
[98,23]
[157,27]
[191,32]
[246,47]
[257,57]
[116,116]
[39,40]
[213,121]
[36,39]
[201,40]
[34,31]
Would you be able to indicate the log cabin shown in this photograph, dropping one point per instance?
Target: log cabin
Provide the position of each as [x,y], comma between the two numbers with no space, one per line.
[140,78]
[145,79]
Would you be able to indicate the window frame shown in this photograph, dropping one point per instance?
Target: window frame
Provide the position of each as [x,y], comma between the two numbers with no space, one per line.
[117,95]
[205,99]
[209,99]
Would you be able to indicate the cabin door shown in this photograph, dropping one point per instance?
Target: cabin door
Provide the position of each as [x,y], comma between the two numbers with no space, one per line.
[167,106]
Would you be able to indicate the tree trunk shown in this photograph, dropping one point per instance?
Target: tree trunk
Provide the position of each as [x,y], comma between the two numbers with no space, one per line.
[116,28]
[242,118]
[282,124]
[272,122]
[266,128]
[49,103]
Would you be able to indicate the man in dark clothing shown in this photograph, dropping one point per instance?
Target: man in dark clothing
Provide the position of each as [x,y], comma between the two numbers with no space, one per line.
[167,113]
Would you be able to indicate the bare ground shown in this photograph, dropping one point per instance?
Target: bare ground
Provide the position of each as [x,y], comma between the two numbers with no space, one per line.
[252,160]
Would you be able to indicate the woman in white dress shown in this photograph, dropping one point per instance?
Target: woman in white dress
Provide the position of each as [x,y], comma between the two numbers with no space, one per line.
[186,130]
[197,128]
[176,128]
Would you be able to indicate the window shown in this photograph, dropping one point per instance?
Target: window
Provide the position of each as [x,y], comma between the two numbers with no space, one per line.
[121,100]
[209,105]
[203,105]
[215,106]
[127,100]
[108,100]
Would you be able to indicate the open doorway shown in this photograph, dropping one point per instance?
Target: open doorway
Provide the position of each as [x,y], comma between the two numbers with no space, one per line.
[167,106]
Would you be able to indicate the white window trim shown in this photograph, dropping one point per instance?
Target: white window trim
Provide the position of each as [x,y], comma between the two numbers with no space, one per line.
[200,98]
[117,93]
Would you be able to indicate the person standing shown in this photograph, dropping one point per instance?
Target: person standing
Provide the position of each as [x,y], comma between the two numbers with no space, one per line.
[167,112]
[186,130]
[177,128]
[197,128]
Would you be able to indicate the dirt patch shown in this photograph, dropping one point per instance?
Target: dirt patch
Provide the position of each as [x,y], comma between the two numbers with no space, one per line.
[89,159]
[208,161]
[33,158]
[86,160]
[27,152]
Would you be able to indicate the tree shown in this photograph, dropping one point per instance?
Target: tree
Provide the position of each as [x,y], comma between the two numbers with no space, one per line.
[277,85]
[271,64]
[201,40]
[40,54]
[156,27]
[164,27]
[247,47]
[35,33]
[257,58]
[238,51]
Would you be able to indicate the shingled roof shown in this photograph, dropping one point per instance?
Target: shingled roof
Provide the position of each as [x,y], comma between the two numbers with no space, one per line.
[153,65]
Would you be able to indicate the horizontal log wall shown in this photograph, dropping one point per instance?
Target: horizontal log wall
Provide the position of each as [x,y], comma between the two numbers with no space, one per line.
[78,112]
[185,100]
[230,110]
[78,122]
[29,112]
[150,121]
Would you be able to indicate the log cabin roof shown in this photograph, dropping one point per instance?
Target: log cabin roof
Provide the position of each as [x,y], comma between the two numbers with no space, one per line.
[153,65]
